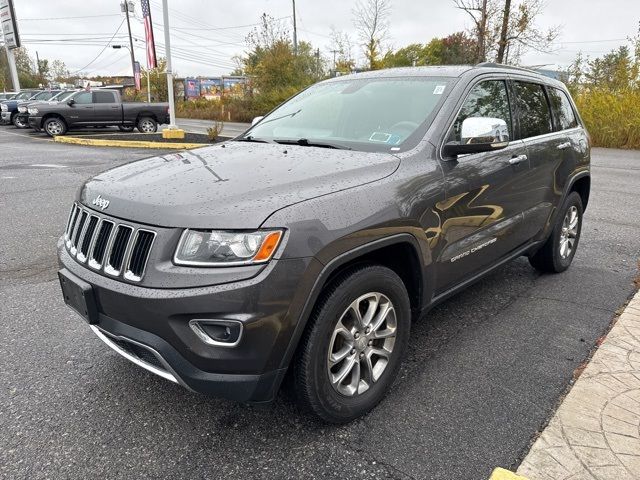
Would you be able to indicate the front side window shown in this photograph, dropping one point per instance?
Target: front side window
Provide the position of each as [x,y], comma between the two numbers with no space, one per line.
[533,109]
[562,109]
[83,98]
[368,114]
[487,99]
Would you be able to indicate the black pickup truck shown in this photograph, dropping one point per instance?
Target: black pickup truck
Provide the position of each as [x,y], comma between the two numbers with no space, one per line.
[96,109]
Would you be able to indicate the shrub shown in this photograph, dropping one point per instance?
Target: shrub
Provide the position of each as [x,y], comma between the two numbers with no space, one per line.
[611,117]
[214,132]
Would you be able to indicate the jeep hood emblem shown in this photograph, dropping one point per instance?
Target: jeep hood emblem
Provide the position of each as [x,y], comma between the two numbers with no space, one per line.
[100,202]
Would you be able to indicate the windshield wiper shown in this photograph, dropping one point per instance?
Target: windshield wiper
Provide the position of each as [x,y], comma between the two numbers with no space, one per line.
[251,138]
[305,142]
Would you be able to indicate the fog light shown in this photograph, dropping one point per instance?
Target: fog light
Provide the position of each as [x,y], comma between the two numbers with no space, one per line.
[221,333]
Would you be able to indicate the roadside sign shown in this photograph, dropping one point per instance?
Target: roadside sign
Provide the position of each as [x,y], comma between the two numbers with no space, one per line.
[9,24]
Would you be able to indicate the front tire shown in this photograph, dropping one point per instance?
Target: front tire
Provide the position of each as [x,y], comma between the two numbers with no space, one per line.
[354,344]
[55,126]
[557,253]
[17,123]
[147,125]
[126,128]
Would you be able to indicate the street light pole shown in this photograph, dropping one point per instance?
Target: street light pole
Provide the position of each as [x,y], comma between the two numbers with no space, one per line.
[133,58]
[167,133]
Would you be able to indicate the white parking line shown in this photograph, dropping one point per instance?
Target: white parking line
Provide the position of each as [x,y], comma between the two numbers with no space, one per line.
[47,165]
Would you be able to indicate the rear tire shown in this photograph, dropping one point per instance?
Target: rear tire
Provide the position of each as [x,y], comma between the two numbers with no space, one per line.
[55,126]
[346,362]
[147,125]
[557,253]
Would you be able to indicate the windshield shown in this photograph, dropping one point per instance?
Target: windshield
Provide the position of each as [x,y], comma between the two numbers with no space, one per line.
[62,96]
[369,114]
[43,96]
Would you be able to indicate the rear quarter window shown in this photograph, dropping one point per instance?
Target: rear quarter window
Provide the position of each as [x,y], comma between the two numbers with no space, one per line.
[562,110]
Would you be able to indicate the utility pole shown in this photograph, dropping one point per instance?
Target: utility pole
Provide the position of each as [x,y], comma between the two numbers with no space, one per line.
[295,29]
[38,63]
[133,58]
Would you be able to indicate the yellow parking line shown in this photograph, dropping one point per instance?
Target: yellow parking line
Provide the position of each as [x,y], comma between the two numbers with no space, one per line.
[502,474]
[126,143]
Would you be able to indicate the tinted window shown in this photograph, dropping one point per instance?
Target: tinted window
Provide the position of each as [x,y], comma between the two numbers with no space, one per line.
[535,118]
[82,98]
[104,97]
[487,99]
[562,110]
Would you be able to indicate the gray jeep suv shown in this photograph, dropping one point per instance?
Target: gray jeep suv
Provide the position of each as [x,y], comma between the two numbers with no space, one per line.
[306,246]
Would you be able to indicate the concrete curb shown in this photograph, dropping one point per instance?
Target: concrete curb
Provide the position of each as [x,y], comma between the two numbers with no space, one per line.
[100,142]
[502,474]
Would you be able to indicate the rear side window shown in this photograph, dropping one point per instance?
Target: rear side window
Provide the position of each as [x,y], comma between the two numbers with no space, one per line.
[104,97]
[487,99]
[535,117]
[562,109]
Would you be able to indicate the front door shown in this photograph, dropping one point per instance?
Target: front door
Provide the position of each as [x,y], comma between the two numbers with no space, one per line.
[81,112]
[481,218]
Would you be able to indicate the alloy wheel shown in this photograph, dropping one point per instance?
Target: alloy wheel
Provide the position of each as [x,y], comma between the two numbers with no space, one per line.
[147,126]
[569,232]
[361,344]
[54,127]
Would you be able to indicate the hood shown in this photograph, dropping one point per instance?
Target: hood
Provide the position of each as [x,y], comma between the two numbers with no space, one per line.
[234,185]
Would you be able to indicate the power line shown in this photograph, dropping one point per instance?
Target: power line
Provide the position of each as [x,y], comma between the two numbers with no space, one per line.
[101,51]
[67,18]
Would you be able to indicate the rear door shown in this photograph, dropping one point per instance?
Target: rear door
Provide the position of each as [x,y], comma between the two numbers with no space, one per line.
[481,218]
[107,110]
[81,112]
[547,149]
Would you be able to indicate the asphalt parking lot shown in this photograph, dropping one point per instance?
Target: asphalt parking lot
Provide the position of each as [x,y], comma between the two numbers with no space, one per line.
[484,372]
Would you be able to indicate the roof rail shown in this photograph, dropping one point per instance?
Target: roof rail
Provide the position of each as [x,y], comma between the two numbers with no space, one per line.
[500,65]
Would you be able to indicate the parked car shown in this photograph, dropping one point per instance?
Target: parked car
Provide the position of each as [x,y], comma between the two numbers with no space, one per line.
[21,119]
[9,108]
[7,95]
[306,246]
[97,109]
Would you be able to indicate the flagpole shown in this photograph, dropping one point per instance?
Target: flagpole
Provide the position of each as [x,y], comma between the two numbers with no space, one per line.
[148,86]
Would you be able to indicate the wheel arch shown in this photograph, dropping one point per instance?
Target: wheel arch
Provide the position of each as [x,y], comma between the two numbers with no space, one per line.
[406,263]
[582,185]
[146,113]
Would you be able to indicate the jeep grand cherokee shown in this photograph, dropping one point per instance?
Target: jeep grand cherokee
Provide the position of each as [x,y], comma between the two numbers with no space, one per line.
[306,246]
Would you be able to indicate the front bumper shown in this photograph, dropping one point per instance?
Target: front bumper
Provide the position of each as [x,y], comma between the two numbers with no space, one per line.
[35,122]
[268,305]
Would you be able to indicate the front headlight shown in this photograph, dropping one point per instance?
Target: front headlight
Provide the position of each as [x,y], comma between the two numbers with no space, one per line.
[4,108]
[33,111]
[216,248]
[22,109]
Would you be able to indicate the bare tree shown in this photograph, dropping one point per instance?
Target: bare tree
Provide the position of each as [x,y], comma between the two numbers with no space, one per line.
[504,32]
[341,48]
[522,33]
[371,19]
[482,12]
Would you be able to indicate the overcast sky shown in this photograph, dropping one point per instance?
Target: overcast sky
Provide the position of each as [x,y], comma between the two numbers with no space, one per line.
[206,35]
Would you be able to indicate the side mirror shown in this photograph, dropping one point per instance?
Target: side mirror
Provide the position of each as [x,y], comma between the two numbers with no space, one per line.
[479,134]
[71,102]
[256,120]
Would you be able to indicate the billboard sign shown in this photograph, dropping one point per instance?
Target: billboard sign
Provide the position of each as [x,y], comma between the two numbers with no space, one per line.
[9,24]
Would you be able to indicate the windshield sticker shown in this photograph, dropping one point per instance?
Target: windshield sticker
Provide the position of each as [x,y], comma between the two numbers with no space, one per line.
[438,90]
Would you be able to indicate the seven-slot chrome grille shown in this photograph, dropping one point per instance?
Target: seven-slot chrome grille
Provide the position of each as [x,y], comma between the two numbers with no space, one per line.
[107,245]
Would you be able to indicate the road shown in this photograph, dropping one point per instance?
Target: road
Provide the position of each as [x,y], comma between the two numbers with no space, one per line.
[484,371]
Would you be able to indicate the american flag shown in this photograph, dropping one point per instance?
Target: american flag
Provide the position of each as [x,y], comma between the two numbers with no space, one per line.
[152,62]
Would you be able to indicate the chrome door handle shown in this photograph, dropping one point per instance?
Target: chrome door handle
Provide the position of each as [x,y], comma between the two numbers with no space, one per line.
[564,146]
[518,159]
